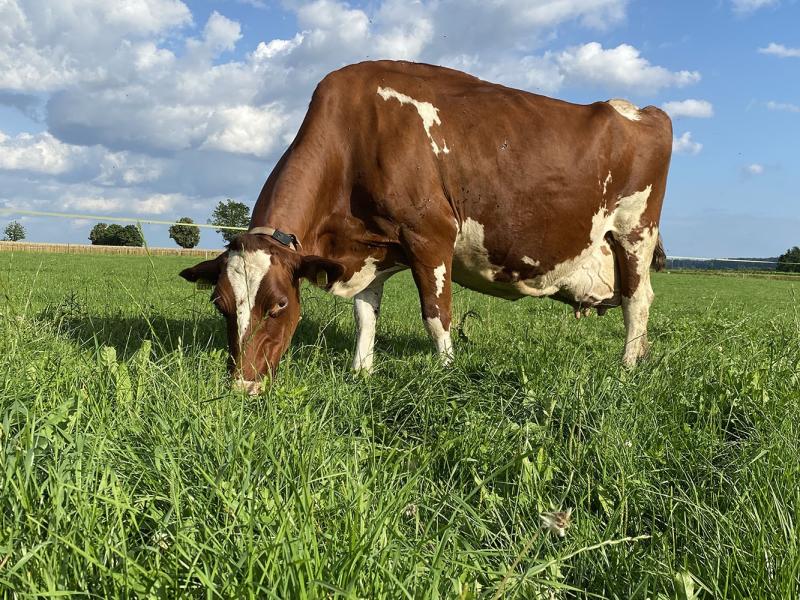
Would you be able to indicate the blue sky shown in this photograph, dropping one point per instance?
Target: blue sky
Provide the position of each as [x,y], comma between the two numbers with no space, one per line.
[166,107]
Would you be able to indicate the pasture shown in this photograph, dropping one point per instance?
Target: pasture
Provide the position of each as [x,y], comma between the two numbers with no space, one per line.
[129,468]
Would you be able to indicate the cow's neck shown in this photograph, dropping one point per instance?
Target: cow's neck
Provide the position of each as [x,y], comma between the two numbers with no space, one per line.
[298,199]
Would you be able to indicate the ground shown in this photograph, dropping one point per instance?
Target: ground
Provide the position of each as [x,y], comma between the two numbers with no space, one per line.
[129,468]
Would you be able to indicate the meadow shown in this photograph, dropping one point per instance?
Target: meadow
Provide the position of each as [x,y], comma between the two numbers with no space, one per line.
[128,467]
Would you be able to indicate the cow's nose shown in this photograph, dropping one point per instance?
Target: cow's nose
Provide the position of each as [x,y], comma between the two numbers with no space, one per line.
[243,385]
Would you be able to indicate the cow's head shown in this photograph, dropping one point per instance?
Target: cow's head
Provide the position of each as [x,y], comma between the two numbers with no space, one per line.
[257,289]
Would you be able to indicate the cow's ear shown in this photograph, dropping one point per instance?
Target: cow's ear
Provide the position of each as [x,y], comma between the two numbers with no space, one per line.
[320,271]
[205,272]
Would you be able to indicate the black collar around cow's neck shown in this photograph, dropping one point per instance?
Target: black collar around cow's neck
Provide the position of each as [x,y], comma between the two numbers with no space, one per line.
[286,239]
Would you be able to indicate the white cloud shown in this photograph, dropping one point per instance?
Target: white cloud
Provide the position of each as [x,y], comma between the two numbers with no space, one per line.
[620,67]
[784,106]
[686,145]
[780,50]
[93,201]
[744,7]
[246,129]
[699,109]
[754,169]
[159,204]
[45,154]
[40,153]
[128,169]
[146,108]
[45,45]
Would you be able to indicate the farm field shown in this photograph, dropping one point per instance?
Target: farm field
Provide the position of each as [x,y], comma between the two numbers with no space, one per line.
[129,468]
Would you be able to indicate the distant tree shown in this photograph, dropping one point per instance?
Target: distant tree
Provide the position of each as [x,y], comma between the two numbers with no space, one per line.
[231,214]
[116,235]
[185,237]
[792,255]
[98,234]
[14,232]
[131,236]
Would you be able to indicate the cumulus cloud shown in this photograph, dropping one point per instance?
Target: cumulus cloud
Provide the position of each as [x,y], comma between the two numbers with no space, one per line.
[144,107]
[686,145]
[246,129]
[45,154]
[698,109]
[753,169]
[45,45]
[780,50]
[616,70]
[783,106]
[745,7]
[621,67]
[40,153]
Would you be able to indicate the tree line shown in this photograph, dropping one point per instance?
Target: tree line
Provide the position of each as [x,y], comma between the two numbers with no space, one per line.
[227,213]
[230,213]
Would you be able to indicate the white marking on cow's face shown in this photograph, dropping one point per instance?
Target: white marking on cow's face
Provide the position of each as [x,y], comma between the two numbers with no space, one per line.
[627,109]
[245,272]
[438,274]
[427,112]
[440,337]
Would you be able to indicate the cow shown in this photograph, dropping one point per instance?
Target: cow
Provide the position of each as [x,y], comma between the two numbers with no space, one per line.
[401,165]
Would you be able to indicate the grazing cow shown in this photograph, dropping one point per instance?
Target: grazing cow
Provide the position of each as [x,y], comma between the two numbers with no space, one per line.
[400,165]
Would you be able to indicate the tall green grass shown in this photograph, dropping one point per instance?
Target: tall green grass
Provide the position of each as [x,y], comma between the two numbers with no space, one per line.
[128,468]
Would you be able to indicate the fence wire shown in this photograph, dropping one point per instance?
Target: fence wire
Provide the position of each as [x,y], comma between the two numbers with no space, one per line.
[140,221]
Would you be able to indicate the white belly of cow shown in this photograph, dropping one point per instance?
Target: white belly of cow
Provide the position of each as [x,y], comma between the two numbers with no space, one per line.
[594,280]
[589,279]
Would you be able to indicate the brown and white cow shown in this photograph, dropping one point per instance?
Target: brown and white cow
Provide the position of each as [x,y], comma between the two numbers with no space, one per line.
[400,165]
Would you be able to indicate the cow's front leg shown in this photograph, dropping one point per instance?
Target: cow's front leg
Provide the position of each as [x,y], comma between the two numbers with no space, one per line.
[366,306]
[434,283]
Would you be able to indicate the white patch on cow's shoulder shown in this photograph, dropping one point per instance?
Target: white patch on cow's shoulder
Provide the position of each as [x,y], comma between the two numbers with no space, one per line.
[427,112]
[440,337]
[438,274]
[245,272]
[359,281]
[626,109]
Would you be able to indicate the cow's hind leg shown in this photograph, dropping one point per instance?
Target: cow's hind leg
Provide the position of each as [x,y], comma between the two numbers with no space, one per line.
[366,307]
[637,293]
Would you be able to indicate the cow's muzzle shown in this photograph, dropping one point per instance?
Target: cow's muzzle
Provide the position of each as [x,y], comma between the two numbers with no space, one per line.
[243,385]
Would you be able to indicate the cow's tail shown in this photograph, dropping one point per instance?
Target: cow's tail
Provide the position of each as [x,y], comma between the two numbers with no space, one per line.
[659,256]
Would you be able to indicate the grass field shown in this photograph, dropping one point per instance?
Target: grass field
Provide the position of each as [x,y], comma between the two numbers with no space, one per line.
[129,468]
